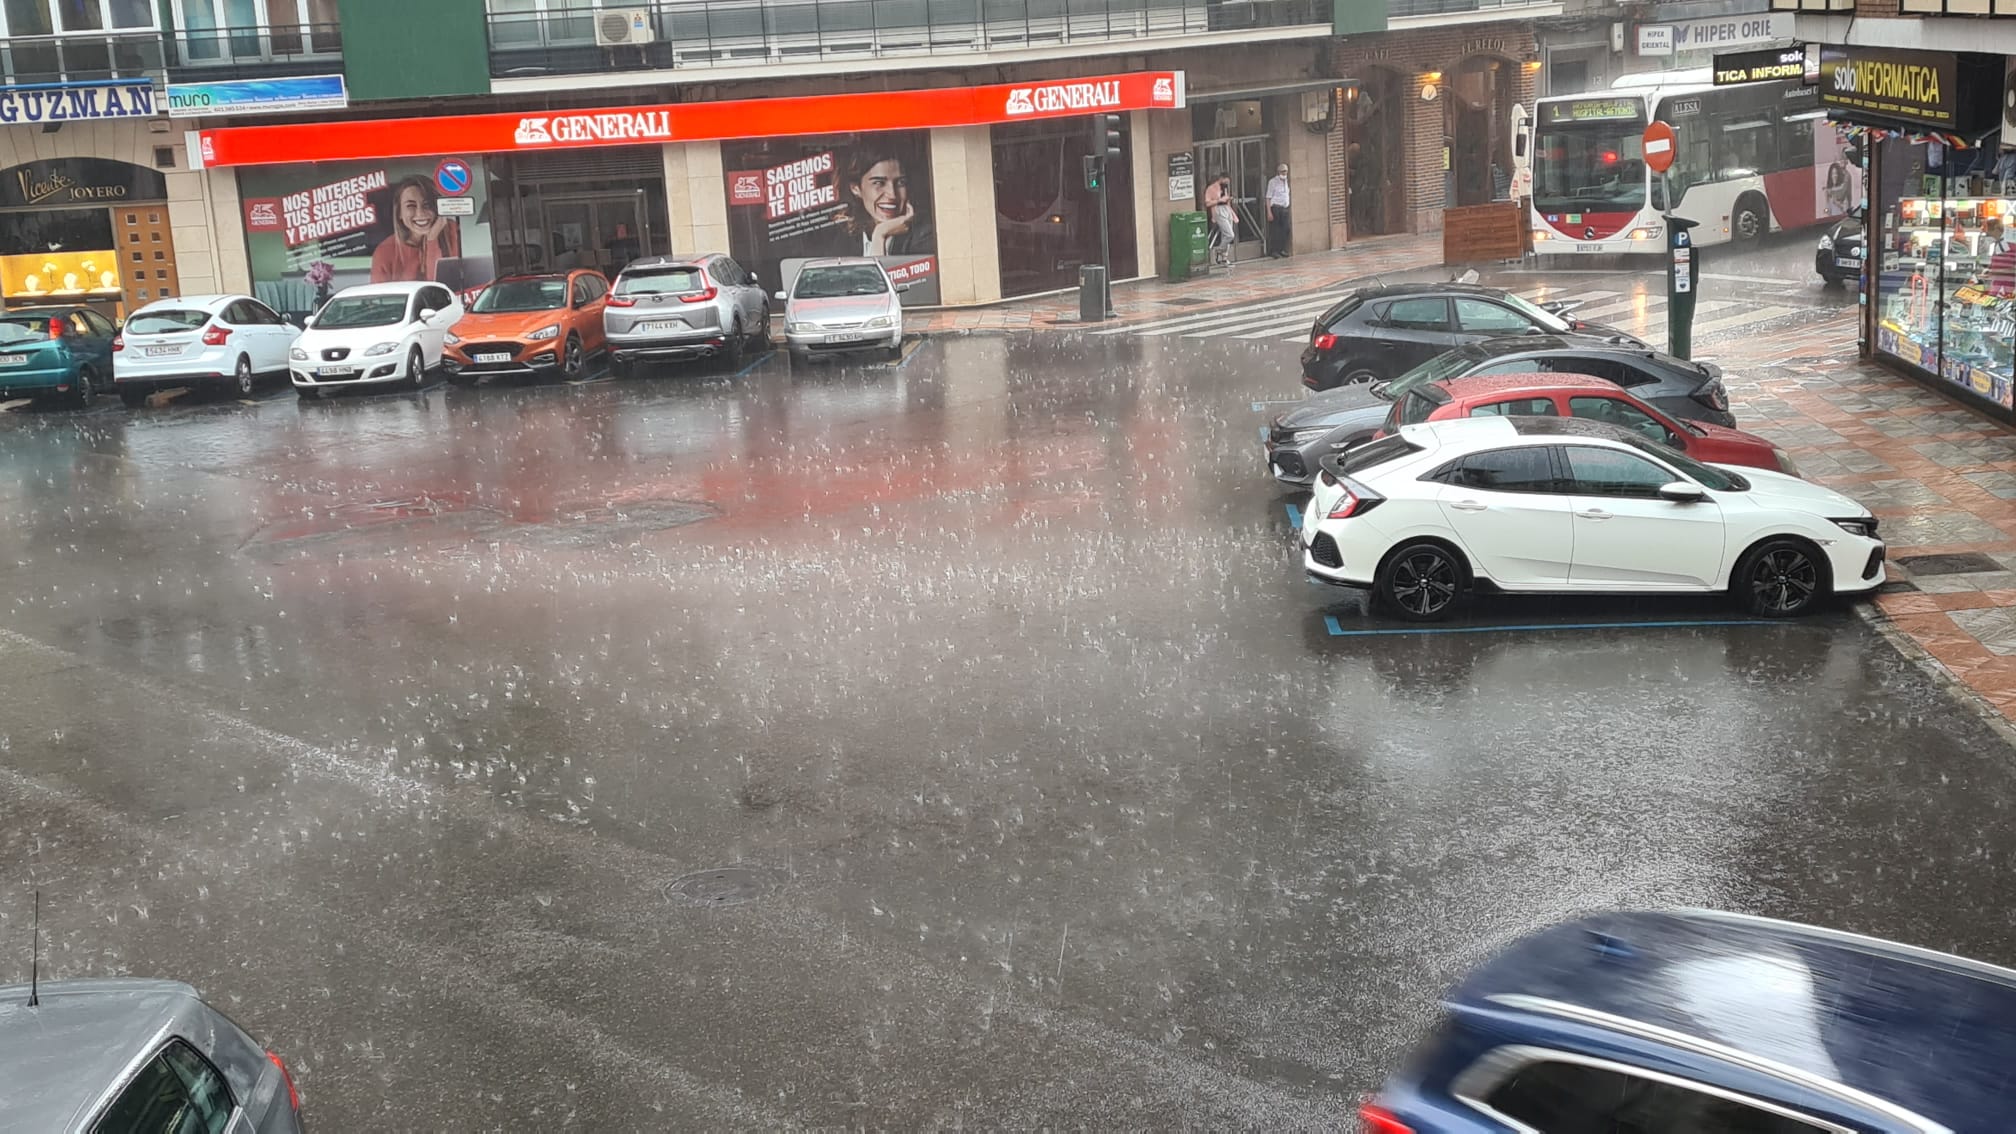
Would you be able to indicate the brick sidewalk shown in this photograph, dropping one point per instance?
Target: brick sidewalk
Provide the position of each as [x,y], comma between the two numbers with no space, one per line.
[1157,299]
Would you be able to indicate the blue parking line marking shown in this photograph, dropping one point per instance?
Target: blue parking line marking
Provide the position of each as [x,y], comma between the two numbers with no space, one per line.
[909,354]
[1337,630]
[1294,515]
[767,356]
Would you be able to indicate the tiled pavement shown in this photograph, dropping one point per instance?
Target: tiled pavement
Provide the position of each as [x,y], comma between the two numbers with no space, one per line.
[1152,299]
[1940,477]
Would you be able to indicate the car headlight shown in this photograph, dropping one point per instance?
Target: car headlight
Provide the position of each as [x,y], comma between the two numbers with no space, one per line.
[297,354]
[549,331]
[1864,526]
[1785,464]
[794,326]
[452,339]
[1827,242]
[877,321]
[1308,434]
[381,348]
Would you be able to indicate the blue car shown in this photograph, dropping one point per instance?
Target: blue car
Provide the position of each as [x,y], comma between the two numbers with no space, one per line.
[1712,1023]
[61,351]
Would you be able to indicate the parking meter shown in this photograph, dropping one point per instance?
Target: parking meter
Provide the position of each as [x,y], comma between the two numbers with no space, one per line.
[1683,276]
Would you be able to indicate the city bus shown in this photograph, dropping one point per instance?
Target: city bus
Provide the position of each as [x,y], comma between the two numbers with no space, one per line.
[1750,159]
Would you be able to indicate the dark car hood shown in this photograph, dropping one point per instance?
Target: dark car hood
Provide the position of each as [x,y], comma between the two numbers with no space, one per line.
[1317,413]
[1605,331]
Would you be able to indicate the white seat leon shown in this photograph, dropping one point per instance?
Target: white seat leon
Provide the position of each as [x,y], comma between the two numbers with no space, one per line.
[372,335]
[1542,504]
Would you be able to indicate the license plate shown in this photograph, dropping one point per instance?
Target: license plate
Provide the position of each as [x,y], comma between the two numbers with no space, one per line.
[13,360]
[158,351]
[493,358]
[1847,262]
[1588,248]
[846,337]
[335,371]
[677,325]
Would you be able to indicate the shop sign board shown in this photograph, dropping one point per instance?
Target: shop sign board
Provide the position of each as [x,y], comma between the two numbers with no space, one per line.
[1655,39]
[795,116]
[1770,65]
[1731,31]
[257,96]
[1183,176]
[63,182]
[74,102]
[1916,87]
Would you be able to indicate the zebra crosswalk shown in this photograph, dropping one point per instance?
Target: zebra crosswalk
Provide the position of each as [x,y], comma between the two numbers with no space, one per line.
[1289,320]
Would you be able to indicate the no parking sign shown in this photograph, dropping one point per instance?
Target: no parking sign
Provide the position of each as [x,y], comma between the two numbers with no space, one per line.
[453,176]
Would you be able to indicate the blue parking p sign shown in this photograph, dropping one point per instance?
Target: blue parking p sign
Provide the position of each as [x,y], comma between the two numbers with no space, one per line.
[452,176]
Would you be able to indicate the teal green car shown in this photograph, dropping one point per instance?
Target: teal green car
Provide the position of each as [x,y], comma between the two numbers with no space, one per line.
[55,352]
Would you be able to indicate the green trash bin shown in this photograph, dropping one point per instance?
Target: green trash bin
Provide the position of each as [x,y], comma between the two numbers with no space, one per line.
[1189,246]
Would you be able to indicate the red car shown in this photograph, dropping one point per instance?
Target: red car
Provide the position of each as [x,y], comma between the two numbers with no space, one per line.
[1579,395]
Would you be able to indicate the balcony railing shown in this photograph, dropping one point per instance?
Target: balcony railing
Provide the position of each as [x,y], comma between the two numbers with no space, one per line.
[78,58]
[709,33]
[1400,8]
[254,52]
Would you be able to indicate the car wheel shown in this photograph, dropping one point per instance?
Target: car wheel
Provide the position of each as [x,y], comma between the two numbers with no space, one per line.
[416,368]
[894,353]
[84,388]
[574,363]
[1360,377]
[1749,222]
[731,351]
[1781,578]
[241,377]
[1421,582]
[133,399]
[760,340]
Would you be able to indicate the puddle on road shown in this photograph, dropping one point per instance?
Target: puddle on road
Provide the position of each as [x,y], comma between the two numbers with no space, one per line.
[388,527]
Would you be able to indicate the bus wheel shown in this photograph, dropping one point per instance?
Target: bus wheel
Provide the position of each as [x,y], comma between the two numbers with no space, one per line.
[1748,224]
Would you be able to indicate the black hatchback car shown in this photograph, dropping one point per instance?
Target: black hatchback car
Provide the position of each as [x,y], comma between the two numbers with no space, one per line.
[1383,332]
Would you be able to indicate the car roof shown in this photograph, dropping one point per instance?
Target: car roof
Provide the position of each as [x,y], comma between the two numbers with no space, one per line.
[62,1055]
[842,262]
[1543,344]
[1383,291]
[393,287]
[1491,385]
[1918,1029]
[213,302]
[692,261]
[48,309]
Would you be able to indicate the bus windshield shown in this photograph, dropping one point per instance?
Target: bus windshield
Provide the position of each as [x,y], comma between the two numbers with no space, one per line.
[1589,168]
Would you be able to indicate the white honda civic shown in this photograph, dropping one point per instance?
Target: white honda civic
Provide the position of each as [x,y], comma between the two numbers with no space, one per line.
[1544,504]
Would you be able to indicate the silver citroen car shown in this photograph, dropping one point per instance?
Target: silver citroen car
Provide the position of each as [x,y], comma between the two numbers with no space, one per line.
[843,304]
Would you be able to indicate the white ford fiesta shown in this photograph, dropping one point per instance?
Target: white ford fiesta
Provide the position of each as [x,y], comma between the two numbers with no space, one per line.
[1543,504]
[373,334]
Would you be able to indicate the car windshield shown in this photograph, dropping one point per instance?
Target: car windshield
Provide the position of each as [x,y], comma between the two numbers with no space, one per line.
[830,283]
[508,296]
[166,322]
[1536,313]
[1708,476]
[362,311]
[683,280]
[22,328]
[1448,364]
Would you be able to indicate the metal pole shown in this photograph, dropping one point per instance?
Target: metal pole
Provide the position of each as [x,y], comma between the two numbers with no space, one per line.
[1105,256]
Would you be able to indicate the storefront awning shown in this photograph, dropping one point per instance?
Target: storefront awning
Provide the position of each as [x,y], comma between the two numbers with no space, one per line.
[1244,94]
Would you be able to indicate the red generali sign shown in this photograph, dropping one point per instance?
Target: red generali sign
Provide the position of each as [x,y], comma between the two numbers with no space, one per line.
[691,121]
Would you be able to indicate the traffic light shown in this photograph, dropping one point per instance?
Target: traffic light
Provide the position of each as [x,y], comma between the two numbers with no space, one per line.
[1095,171]
[1106,135]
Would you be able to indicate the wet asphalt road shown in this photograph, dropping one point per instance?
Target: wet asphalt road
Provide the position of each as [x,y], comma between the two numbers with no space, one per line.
[1045,789]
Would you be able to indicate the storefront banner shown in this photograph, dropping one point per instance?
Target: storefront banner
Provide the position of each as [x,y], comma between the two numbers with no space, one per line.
[691,121]
[1731,31]
[257,96]
[1655,39]
[70,102]
[313,230]
[79,181]
[1771,65]
[1918,87]
[838,195]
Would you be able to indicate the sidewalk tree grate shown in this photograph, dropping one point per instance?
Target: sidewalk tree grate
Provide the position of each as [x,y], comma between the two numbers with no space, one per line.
[1960,563]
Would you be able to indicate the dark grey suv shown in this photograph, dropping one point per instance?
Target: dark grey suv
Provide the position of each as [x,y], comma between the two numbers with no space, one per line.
[672,307]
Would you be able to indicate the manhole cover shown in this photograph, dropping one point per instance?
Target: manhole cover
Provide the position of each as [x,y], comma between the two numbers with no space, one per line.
[727,886]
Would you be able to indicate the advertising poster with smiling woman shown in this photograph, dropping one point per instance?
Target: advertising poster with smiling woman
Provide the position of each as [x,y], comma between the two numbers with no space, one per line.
[794,199]
[313,229]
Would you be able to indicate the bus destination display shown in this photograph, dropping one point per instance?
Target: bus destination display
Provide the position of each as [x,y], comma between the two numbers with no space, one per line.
[1593,110]
[1772,64]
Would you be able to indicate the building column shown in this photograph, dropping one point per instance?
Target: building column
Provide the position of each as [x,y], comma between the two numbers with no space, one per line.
[962,193]
[1427,173]
[696,198]
[1151,186]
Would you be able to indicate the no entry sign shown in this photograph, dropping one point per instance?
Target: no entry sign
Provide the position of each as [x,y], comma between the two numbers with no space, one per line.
[1659,147]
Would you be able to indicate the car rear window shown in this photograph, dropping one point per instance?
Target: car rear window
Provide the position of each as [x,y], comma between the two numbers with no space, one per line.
[1340,311]
[23,328]
[682,280]
[166,322]
[1417,407]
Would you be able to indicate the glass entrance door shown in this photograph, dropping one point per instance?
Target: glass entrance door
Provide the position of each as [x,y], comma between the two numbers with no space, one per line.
[604,231]
[1248,163]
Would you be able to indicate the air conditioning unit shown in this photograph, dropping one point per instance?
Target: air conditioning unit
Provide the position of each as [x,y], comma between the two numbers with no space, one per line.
[624,27]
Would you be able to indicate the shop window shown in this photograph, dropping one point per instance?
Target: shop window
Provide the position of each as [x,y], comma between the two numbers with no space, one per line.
[1046,221]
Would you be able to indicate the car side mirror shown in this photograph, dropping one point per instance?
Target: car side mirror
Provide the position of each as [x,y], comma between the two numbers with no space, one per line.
[781,295]
[307,320]
[903,287]
[1378,390]
[1681,492]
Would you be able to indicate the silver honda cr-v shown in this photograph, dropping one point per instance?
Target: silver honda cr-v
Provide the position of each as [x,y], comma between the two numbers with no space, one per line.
[671,307]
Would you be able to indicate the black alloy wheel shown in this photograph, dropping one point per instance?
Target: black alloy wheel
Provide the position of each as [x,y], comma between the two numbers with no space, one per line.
[83,389]
[573,362]
[1748,224]
[1781,580]
[416,368]
[1360,377]
[1421,583]
[241,377]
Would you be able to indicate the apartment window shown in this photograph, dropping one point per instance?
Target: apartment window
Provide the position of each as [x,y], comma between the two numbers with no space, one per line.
[527,23]
[220,30]
[59,17]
